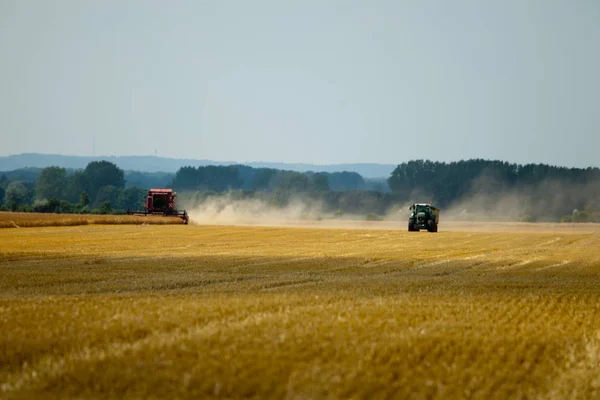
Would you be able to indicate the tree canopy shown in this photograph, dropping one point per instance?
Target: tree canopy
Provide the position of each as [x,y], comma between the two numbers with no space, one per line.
[538,190]
[530,192]
[51,183]
[103,173]
[17,192]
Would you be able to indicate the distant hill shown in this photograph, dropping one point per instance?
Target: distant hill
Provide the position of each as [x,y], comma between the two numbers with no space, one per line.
[22,174]
[132,178]
[171,165]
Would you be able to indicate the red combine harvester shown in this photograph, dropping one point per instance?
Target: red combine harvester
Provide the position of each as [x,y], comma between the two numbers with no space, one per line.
[161,202]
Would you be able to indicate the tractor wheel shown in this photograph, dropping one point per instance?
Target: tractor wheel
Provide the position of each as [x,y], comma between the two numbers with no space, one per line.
[411,225]
[430,226]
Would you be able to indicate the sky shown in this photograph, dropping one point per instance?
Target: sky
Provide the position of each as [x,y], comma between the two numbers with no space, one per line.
[310,81]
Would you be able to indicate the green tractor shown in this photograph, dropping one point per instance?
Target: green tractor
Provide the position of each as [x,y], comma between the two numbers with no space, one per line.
[423,216]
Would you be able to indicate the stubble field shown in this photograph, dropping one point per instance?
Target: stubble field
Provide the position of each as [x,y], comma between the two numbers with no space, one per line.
[285,312]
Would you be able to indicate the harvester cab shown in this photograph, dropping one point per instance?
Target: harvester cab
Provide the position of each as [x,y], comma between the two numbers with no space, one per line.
[161,202]
[423,216]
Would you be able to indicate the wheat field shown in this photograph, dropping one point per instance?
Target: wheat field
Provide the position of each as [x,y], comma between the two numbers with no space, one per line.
[147,311]
[29,220]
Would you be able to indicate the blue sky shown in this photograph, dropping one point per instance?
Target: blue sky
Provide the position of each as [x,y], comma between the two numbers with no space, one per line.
[317,82]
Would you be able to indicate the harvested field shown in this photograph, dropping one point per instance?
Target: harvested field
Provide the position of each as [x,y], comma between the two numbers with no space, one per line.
[28,220]
[220,311]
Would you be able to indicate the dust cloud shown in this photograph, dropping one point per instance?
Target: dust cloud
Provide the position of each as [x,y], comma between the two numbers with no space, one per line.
[487,207]
[225,210]
[300,211]
[546,202]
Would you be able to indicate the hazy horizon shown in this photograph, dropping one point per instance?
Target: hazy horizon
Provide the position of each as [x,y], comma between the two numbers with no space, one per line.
[335,83]
[249,162]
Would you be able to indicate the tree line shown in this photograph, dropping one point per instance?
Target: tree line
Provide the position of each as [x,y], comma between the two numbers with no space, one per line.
[241,177]
[532,192]
[100,187]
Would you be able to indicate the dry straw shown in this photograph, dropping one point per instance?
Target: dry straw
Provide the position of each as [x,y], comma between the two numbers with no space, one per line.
[28,220]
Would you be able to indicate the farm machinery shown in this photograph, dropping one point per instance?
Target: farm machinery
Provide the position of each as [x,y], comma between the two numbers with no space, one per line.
[423,216]
[161,202]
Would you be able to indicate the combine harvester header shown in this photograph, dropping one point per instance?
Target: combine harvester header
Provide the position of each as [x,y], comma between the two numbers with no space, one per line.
[161,202]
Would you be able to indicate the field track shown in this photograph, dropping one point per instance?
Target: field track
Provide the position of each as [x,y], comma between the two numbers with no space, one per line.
[143,311]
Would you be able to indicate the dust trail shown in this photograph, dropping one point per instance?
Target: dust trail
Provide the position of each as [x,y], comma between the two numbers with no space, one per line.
[551,200]
[305,213]
[228,210]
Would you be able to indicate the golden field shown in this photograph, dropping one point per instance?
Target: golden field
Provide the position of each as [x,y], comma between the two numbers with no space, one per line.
[125,311]
[28,220]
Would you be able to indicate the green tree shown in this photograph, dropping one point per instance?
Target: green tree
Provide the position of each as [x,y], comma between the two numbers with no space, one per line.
[17,193]
[108,193]
[294,182]
[46,206]
[346,181]
[103,173]
[186,178]
[262,179]
[2,192]
[320,182]
[84,199]
[51,183]
[105,207]
[132,198]
[76,183]
[210,177]
[4,181]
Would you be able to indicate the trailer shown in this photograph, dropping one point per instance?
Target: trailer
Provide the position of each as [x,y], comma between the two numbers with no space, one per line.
[161,201]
